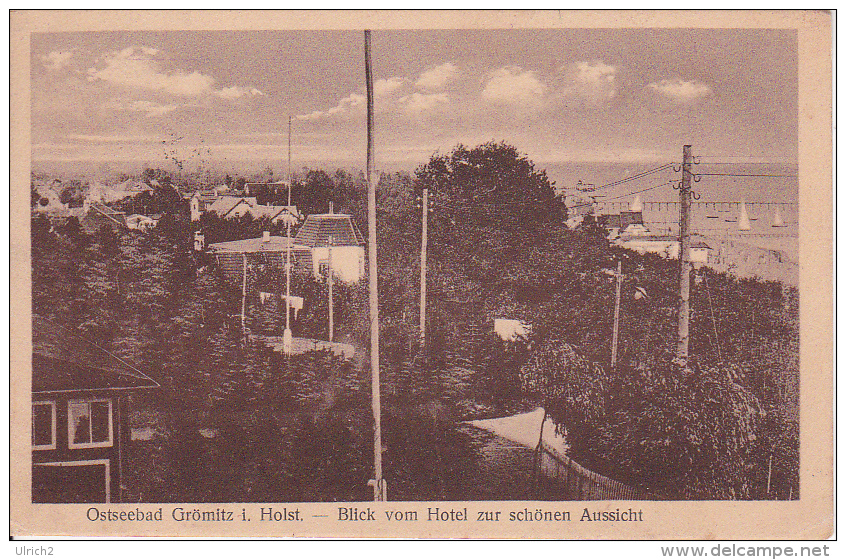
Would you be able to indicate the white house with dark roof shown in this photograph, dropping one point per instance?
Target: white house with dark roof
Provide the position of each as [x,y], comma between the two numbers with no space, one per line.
[347,245]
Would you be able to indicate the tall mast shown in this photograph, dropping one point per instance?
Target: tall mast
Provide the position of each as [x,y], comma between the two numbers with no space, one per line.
[288,337]
[684,259]
[379,490]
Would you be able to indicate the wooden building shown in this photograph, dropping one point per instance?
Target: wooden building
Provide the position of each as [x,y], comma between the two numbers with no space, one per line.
[80,424]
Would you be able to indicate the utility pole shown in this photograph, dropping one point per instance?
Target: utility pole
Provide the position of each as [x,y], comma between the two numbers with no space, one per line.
[244,302]
[684,259]
[424,242]
[379,486]
[288,336]
[331,314]
[616,332]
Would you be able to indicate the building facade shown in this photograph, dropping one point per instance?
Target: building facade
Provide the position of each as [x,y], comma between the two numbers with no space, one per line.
[80,417]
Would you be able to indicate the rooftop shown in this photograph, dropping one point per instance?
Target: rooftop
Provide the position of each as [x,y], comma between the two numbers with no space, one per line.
[277,243]
[317,229]
[64,360]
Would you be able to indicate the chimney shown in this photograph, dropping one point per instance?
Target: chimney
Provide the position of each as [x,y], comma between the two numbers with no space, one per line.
[265,237]
[331,207]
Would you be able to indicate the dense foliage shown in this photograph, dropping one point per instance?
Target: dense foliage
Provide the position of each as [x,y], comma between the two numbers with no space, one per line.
[497,249]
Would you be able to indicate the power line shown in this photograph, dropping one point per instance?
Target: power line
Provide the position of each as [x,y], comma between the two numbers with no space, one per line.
[742,175]
[634,177]
[624,195]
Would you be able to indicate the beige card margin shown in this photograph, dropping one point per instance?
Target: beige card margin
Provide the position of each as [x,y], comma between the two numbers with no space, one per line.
[811,517]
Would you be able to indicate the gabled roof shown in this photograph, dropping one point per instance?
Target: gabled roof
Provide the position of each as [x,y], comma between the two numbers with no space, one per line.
[63,360]
[273,212]
[110,213]
[226,204]
[317,228]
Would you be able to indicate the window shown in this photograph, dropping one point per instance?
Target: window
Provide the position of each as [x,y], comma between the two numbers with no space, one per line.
[90,423]
[44,425]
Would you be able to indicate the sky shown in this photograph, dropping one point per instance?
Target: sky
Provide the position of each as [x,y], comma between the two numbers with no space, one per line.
[206,98]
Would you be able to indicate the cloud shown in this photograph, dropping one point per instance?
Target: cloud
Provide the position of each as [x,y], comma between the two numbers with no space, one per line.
[150,108]
[344,106]
[512,85]
[590,82]
[56,60]
[237,92]
[386,88]
[419,103]
[382,89]
[436,78]
[137,68]
[681,91]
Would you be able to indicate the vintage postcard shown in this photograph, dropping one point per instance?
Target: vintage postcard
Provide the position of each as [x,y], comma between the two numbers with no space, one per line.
[422,274]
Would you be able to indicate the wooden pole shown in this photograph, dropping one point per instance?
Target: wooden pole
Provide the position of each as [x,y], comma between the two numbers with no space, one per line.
[424,242]
[615,334]
[769,473]
[244,302]
[379,490]
[331,282]
[684,258]
[288,337]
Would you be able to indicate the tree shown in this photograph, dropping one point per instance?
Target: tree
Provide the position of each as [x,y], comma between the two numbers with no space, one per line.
[678,432]
[72,194]
[496,181]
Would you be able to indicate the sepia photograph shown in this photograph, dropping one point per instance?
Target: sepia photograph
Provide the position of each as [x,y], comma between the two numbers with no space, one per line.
[556,267]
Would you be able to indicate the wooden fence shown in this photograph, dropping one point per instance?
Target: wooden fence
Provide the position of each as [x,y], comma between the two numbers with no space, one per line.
[579,483]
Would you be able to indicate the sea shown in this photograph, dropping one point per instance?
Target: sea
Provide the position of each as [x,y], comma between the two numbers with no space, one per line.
[769,192]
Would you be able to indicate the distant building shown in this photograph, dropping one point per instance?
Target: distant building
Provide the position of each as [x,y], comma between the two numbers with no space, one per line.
[309,249]
[624,223]
[341,232]
[140,222]
[199,201]
[272,249]
[107,194]
[95,216]
[80,417]
[666,246]
[228,207]
[231,207]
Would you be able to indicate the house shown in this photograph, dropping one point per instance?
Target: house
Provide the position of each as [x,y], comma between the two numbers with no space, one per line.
[199,201]
[95,216]
[106,194]
[666,246]
[49,200]
[140,222]
[80,407]
[624,223]
[271,249]
[229,207]
[347,245]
